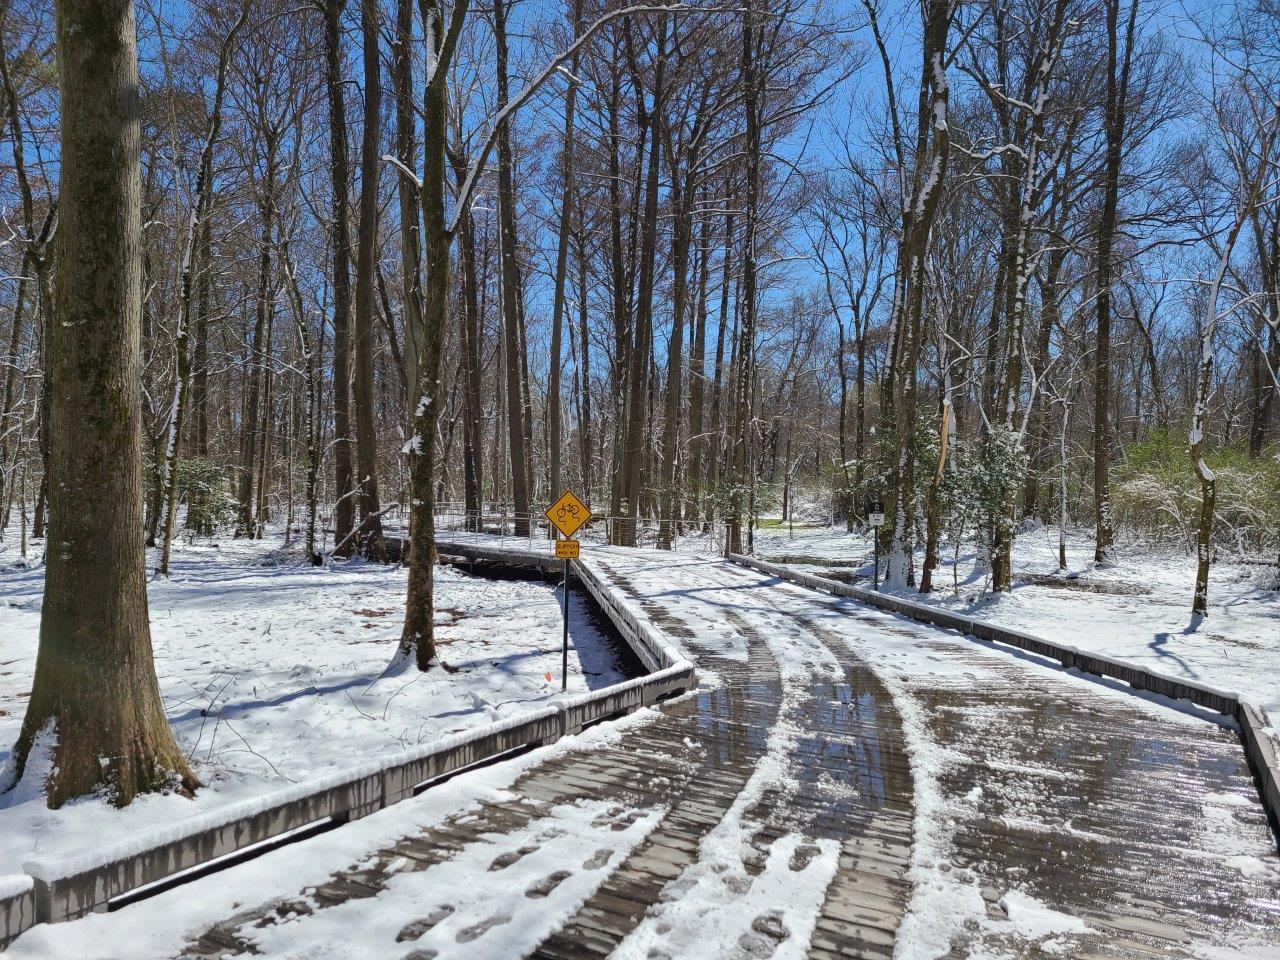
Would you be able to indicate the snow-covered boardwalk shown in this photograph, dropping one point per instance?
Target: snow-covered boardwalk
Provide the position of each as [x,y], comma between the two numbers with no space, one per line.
[845,784]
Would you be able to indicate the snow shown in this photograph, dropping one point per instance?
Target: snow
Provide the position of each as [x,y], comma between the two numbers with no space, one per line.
[34,774]
[716,904]
[269,669]
[947,903]
[579,839]
[159,927]
[1034,921]
[14,885]
[1143,618]
[774,912]
[717,887]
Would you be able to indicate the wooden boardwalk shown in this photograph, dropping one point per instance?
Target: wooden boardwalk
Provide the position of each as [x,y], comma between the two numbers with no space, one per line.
[1137,832]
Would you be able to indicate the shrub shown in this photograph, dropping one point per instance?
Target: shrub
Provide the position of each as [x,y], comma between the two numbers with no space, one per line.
[1155,492]
[203,487]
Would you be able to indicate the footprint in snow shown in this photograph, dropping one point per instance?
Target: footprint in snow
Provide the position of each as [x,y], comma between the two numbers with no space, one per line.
[547,884]
[766,933]
[415,929]
[504,860]
[607,816]
[598,859]
[286,911]
[478,930]
[803,856]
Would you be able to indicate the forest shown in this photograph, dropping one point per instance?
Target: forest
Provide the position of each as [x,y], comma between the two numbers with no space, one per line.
[384,266]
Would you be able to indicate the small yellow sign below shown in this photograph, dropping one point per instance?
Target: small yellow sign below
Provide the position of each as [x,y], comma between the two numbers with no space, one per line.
[568,514]
[567,549]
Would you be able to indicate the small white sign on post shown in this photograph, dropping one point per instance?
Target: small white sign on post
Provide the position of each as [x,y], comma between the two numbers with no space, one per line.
[875,519]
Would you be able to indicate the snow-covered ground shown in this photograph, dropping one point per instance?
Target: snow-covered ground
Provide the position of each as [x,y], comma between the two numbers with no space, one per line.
[270,670]
[1136,609]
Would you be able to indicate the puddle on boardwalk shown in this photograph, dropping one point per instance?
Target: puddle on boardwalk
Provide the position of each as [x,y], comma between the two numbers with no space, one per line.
[1143,825]
[1149,831]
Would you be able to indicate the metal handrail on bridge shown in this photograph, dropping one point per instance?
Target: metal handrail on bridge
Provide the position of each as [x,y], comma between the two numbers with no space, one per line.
[690,536]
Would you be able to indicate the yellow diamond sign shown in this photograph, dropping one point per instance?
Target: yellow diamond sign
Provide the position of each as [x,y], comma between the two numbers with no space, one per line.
[568,514]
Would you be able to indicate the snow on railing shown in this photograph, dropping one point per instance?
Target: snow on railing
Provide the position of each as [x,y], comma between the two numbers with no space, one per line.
[682,536]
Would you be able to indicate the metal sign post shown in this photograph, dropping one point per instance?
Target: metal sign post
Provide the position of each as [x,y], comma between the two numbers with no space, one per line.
[564,639]
[566,550]
[875,517]
[567,515]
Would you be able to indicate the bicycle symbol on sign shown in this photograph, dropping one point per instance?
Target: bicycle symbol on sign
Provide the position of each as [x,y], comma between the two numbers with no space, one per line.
[568,514]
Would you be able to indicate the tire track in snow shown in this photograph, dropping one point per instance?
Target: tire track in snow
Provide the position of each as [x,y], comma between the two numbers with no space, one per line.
[1057,817]
[811,857]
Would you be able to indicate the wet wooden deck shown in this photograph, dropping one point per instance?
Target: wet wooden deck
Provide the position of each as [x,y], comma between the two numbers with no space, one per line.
[1070,793]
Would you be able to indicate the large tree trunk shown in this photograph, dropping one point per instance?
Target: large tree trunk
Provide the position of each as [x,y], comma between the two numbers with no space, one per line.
[635,461]
[715,453]
[698,383]
[1118,61]
[584,403]
[512,320]
[621,299]
[669,511]
[258,350]
[95,703]
[311,371]
[410,229]
[370,536]
[739,462]
[343,468]
[200,363]
[473,368]
[417,641]
[932,152]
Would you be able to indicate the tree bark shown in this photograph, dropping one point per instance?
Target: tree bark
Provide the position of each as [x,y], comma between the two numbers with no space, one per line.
[1118,61]
[371,543]
[554,446]
[634,460]
[743,386]
[258,349]
[197,227]
[340,247]
[417,640]
[512,320]
[95,703]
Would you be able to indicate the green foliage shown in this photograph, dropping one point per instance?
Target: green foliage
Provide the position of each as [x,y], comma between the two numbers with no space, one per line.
[981,480]
[203,487]
[1155,492]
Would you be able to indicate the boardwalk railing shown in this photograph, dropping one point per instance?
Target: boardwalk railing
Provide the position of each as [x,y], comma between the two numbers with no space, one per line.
[1258,746]
[682,536]
[55,889]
